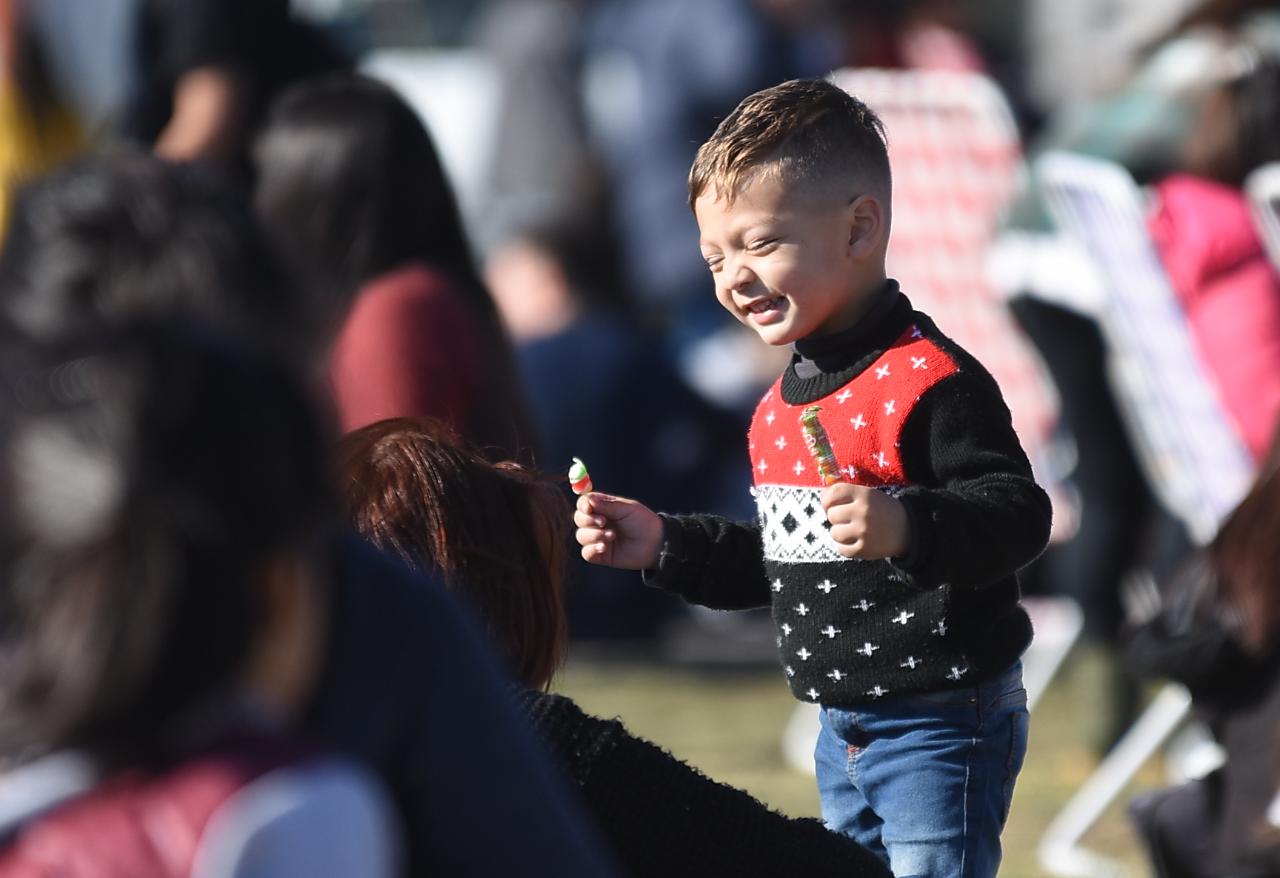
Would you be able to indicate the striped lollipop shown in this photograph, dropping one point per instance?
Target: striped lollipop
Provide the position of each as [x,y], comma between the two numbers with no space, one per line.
[579,478]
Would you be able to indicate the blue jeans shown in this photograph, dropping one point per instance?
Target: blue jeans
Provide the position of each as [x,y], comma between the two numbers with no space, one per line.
[925,780]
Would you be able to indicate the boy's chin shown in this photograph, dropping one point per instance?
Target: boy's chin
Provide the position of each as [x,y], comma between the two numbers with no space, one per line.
[778,335]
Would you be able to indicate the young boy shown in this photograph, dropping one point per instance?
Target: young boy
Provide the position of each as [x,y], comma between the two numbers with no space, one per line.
[893,589]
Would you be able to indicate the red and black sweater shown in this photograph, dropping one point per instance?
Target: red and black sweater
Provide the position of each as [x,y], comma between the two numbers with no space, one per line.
[910,412]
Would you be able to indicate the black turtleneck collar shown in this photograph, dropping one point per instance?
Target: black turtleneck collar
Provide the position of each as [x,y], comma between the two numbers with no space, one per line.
[823,364]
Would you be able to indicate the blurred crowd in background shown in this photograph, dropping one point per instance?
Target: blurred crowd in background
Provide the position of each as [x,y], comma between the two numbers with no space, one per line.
[479,211]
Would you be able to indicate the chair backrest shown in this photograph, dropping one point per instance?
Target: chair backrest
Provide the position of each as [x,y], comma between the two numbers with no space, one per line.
[1197,464]
[1263,188]
[957,161]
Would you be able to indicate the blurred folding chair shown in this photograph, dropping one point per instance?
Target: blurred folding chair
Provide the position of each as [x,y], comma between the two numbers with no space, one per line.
[957,161]
[1196,464]
[1263,188]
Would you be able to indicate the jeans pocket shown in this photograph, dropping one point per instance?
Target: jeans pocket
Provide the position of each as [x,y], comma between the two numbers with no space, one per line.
[1007,692]
[1012,699]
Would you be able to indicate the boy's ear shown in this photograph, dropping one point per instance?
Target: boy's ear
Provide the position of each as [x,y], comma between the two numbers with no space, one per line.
[866,223]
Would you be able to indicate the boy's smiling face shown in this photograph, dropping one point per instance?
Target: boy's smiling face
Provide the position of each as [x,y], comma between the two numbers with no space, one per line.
[790,261]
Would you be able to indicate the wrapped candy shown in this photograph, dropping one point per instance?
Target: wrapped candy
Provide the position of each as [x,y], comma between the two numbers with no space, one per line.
[579,478]
[819,445]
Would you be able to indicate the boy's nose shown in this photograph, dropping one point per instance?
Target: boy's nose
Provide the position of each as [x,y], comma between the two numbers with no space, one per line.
[738,278]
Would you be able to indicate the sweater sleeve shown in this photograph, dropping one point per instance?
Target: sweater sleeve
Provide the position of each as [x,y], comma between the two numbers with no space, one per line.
[709,560]
[664,817]
[976,513]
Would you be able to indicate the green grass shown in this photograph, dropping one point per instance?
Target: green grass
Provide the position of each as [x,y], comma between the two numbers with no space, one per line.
[728,723]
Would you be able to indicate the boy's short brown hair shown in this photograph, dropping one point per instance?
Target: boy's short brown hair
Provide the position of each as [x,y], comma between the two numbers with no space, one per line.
[811,129]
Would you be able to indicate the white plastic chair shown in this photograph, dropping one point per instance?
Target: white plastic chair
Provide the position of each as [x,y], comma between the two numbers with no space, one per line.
[1197,465]
[1196,462]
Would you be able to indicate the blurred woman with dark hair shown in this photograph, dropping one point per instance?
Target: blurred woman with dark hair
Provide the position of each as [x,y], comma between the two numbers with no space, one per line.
[498,534]
[119,238]
[161,504]
[351,188]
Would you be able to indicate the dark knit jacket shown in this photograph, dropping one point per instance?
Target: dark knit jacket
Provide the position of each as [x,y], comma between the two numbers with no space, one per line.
[665,818]
[910,412]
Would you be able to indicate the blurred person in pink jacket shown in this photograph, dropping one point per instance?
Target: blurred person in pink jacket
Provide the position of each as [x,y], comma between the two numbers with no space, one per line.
[1210,247]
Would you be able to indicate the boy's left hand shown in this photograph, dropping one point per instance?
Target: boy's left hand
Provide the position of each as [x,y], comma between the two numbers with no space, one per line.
[866,523]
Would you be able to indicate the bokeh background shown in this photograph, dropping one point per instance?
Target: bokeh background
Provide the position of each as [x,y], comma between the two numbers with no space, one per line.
[566,128]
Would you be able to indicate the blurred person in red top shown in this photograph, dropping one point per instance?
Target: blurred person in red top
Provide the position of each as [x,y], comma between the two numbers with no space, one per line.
[352,190]
[1209,244]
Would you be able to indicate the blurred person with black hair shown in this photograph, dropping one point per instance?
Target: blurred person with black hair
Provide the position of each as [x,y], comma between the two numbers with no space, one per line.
[120,238]
[162,495]
[123,235]
[352,190]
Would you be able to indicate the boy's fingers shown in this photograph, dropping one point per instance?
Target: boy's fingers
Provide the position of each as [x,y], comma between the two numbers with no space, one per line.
[850,550]
[602,503]
[840,513]
[846,534]
[588,535]
[843,492]
[829,497]
[585,519]
[603,507]
[838,494]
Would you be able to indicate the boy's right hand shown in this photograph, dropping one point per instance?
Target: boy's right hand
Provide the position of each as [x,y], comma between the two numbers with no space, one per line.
[617,532]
